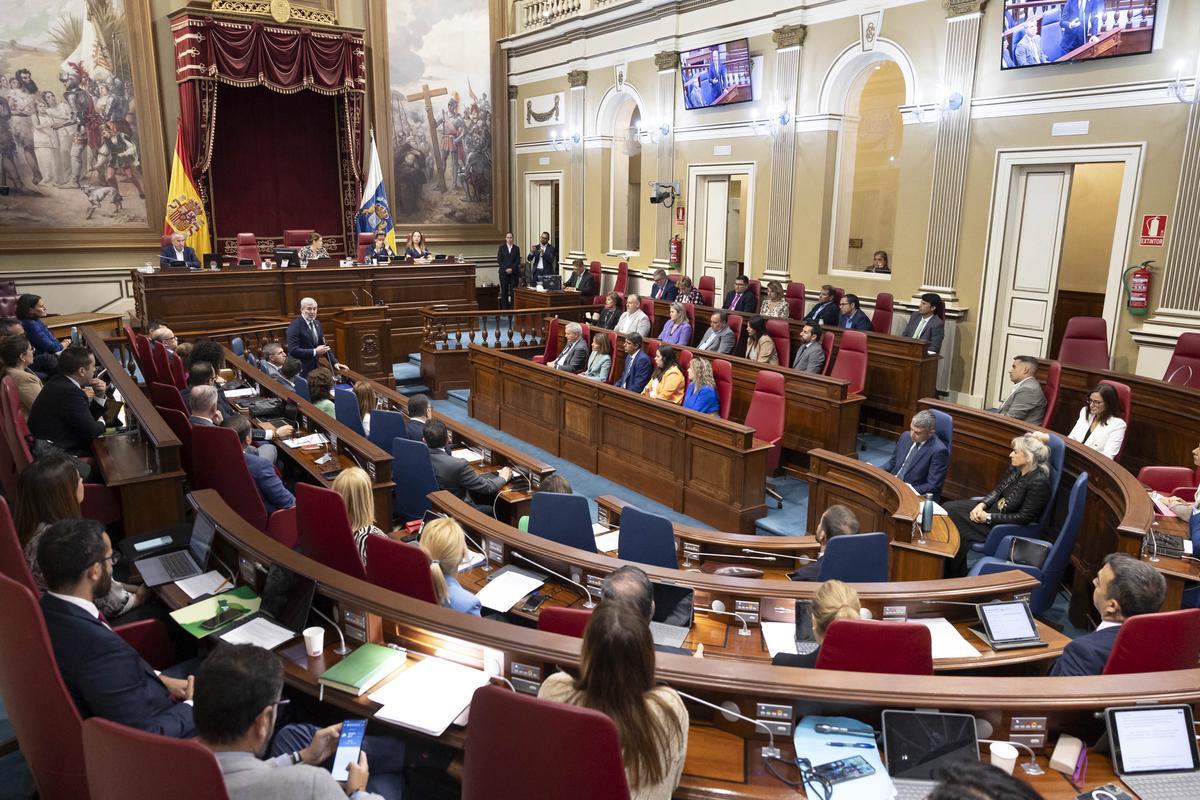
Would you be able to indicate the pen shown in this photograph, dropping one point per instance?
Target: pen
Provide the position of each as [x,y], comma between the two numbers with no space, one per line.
[863,745]
[220,586]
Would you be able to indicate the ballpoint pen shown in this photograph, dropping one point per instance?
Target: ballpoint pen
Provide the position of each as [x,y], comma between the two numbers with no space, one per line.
[863,745]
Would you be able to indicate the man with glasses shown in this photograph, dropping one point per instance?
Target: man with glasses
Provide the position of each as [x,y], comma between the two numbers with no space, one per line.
[104,674]
[852,317]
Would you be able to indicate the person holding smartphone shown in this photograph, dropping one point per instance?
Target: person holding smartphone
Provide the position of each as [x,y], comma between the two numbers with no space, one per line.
[237,698]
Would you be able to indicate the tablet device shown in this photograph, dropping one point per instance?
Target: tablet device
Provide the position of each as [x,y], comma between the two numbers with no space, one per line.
[1007,624]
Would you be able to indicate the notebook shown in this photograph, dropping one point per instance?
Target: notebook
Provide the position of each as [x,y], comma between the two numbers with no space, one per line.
[1154,751]
[362,669]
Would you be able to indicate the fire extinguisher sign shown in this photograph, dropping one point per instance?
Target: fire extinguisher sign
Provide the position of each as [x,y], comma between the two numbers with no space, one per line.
[1154,230]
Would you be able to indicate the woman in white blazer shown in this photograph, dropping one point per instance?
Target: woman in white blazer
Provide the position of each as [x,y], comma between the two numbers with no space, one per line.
[1100,424]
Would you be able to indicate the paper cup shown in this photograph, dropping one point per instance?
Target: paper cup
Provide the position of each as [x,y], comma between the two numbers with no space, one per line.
[1004,756]
[314,645]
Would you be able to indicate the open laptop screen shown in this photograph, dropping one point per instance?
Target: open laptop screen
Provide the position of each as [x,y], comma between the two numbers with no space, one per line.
[673,605]
[919,744]
[203,533]
[1008,622]
[1152,739]
[287,597]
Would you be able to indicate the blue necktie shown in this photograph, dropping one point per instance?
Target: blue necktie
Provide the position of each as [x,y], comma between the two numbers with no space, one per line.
[847,322]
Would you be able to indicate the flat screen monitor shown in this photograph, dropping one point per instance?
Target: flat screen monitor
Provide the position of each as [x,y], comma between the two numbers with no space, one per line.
[1036,34]
[717,75]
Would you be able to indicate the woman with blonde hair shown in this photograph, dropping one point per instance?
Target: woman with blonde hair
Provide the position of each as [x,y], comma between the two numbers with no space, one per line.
[775,304]
[364,392]
[416,248]
[354,485]
[833,600]
[701,394]
[444,541]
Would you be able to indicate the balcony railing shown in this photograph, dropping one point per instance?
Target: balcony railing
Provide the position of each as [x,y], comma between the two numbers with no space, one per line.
[531,15]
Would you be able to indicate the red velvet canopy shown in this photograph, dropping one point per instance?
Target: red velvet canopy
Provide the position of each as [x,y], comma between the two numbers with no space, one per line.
[210,51]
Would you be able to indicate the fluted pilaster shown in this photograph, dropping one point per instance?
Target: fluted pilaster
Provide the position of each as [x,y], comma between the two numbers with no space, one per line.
[668,78]
[789,40]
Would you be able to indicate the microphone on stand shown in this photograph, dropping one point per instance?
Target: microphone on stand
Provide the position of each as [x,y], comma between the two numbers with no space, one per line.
[718,607]
[341,649]
[765,557]
[586,591]
[770,751]
[801,559]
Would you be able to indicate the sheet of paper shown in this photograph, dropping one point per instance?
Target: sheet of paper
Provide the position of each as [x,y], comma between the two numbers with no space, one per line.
[1164,510]
[503,591]
[938,511]
[819,749]
[947,642]
[608,542]
[202,584]
[249,391]
[467,454]
[260,631]
[304,441]
[779,637]
[428,695]
[471,560]
[599,528]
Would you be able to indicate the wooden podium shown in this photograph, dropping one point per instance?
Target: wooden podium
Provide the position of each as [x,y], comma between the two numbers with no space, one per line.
[364,340]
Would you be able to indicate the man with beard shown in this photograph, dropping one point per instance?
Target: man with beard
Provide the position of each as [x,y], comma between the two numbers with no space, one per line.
[104,674]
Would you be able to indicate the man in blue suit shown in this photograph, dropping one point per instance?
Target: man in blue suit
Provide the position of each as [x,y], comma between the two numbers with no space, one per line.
[1072,23]
[920,458]
[852,316]
[306,340]
[275,495]
[825,310]
[418,415]
[637,370]
[178,250]
[663,289]
[1125,587]
[104,674]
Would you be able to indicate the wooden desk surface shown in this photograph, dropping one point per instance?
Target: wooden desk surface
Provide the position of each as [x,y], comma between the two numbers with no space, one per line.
[106,321]
[524,297]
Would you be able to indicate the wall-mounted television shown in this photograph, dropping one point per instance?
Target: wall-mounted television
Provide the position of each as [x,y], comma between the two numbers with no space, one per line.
[717,75]
[1068,31]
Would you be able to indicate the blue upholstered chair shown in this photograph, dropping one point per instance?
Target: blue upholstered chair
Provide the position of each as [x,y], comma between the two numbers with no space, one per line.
[858,558]
[1058,451]
[386,427]
[345,409]
[238,346]
[943,427]
[647,539]
[562,518]
[412,472]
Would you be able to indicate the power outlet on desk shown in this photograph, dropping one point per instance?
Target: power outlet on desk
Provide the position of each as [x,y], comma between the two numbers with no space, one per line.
[1028,725]
[1034,741]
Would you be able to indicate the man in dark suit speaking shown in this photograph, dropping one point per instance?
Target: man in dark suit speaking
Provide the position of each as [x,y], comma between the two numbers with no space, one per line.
[581,281]
[508,261]
[68,410]
[1125,587]
[543,260]
[104,674]
[306,339]
[920,458]
[178,250]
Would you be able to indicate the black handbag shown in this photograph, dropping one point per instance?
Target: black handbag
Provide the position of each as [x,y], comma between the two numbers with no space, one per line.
[1028,552]
[41,448]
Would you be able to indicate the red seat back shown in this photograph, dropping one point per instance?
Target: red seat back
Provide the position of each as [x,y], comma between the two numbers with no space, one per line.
[587,751]
[647,306]
[881,320]
[43,715]
[324,529]
[781,335]
[167,397]
[1184,368]
[1085,343]
[247,248]
[690,310]
[12,556]
[595,269]
[550,352]
[181,425]
[736,323]
[14,449]
[612,351]
[125,762]
[794,291]
[851,364]
[860,645]
[622,283]
[837,295]
[1168,640]
[795,307]
[651,348]
[178,372]
[400,567]
[8,298]
[1053,378]
[723,377]
[708,289]
[365,242]
[768,405]
[685,361]
[1165,480]
[296,237]
[141,350]
[567,621]
[218,463]
[756,290]
[1125,396]
[162,369]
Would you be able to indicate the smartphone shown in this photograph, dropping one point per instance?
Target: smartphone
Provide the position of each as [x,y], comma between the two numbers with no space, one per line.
[533,603]
[349,745]
[844,769]
[331,474]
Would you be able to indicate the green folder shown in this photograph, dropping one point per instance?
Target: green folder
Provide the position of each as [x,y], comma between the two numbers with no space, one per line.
[190,617]
[362,669]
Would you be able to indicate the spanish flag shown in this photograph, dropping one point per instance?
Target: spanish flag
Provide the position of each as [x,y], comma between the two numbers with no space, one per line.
[185,211]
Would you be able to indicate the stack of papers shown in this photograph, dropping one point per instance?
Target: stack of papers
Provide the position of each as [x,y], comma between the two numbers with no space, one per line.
[471,560]
[504,590]
[467,454]
[947,641]
[249,391]
[428,695]
[608,541]
[779,637]
[260,631]
[304,441]
[201,585]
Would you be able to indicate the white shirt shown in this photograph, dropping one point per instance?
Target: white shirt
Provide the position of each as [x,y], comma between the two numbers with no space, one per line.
[634,322]
[178,254]
[86,605]
[1106,439]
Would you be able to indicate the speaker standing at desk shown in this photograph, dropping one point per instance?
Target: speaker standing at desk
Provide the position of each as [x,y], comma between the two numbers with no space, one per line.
[306,339]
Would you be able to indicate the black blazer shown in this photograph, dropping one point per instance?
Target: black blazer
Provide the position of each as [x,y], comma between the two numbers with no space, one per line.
[189,256]
[106,677]
[300,345]
[62,414]
[415,429]
[586,284]
[808,660]
[1087,654]
[543,263]
[608,318]
[1019,499]
[825,313]
[456,476]
[506,260]
[745,303]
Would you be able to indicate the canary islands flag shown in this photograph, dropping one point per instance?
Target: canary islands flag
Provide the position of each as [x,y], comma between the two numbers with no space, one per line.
[374,213]
[185,211]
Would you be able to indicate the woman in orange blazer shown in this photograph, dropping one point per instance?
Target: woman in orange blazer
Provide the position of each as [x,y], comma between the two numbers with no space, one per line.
[667,382]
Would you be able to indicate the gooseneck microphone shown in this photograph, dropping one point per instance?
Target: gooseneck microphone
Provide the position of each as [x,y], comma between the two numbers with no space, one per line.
[586,591]
[341,649]
[718,607]
[801,559]
[770,751]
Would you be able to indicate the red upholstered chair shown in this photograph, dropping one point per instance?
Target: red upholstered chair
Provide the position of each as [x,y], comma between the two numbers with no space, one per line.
[162,368]
[723,377]
[690,310]
[247,248]
[43,715]
[585,332]
[8,298]
[1184,368]
[218,464]
[647,307]
[1168,640]
[296,237]
[12,557]
[551,349]
[685,361]
[1085,343]
[181,425]
[365,241]
[736,323]
[612,351]
[794,291]
[144,358]
[622,283]
[851,364]
[178,372]
[567,621]
[400,567]
[651,347]
[324,528]
[167,397]
[781,334]
[125,762]
[1125,396]
[707,285]
[860,645]
[837,294]
[881,320]
[756,290]
[768,405]
[597,273]
[1179,482]
[795,307]
[587,751]
[1053,379]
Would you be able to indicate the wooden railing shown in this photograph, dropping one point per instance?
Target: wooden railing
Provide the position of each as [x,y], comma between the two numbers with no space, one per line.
[456,330]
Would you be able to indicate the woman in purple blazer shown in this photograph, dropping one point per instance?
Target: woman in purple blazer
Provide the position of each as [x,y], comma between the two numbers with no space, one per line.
[676,330]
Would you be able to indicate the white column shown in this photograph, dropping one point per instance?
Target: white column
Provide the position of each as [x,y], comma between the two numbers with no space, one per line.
[576,108]
[789,39]
[668,78]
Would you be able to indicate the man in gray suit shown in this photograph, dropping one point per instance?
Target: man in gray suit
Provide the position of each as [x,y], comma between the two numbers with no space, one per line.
[1027,401]
[719,337]
[809,355]
[455,475]
[926,324]
[1029,50]
[237,697]
[573,357]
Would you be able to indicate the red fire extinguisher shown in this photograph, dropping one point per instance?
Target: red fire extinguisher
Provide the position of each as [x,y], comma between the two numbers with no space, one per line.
[676,255]
[1137,289]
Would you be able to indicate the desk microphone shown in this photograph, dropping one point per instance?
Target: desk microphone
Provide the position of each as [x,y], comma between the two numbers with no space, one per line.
[341,649]
[371,297]
[949,603]
[770,751]
[718,607]
[732,555]
[801,559]
[586,591]
[354,294]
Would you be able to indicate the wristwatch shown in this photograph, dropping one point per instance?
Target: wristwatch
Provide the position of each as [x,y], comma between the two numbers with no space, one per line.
[296,759]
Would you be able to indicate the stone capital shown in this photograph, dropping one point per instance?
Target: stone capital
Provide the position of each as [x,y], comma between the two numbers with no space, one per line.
[577,77]
[956,8]
[667,59]
[789,36]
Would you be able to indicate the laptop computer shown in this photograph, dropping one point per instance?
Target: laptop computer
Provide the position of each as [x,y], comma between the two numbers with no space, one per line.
[552,283]
[1006,625]
[674,607]
[287,598]
[1154,750]
[806,638]
[179,564]
[919,745]
[212,260]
